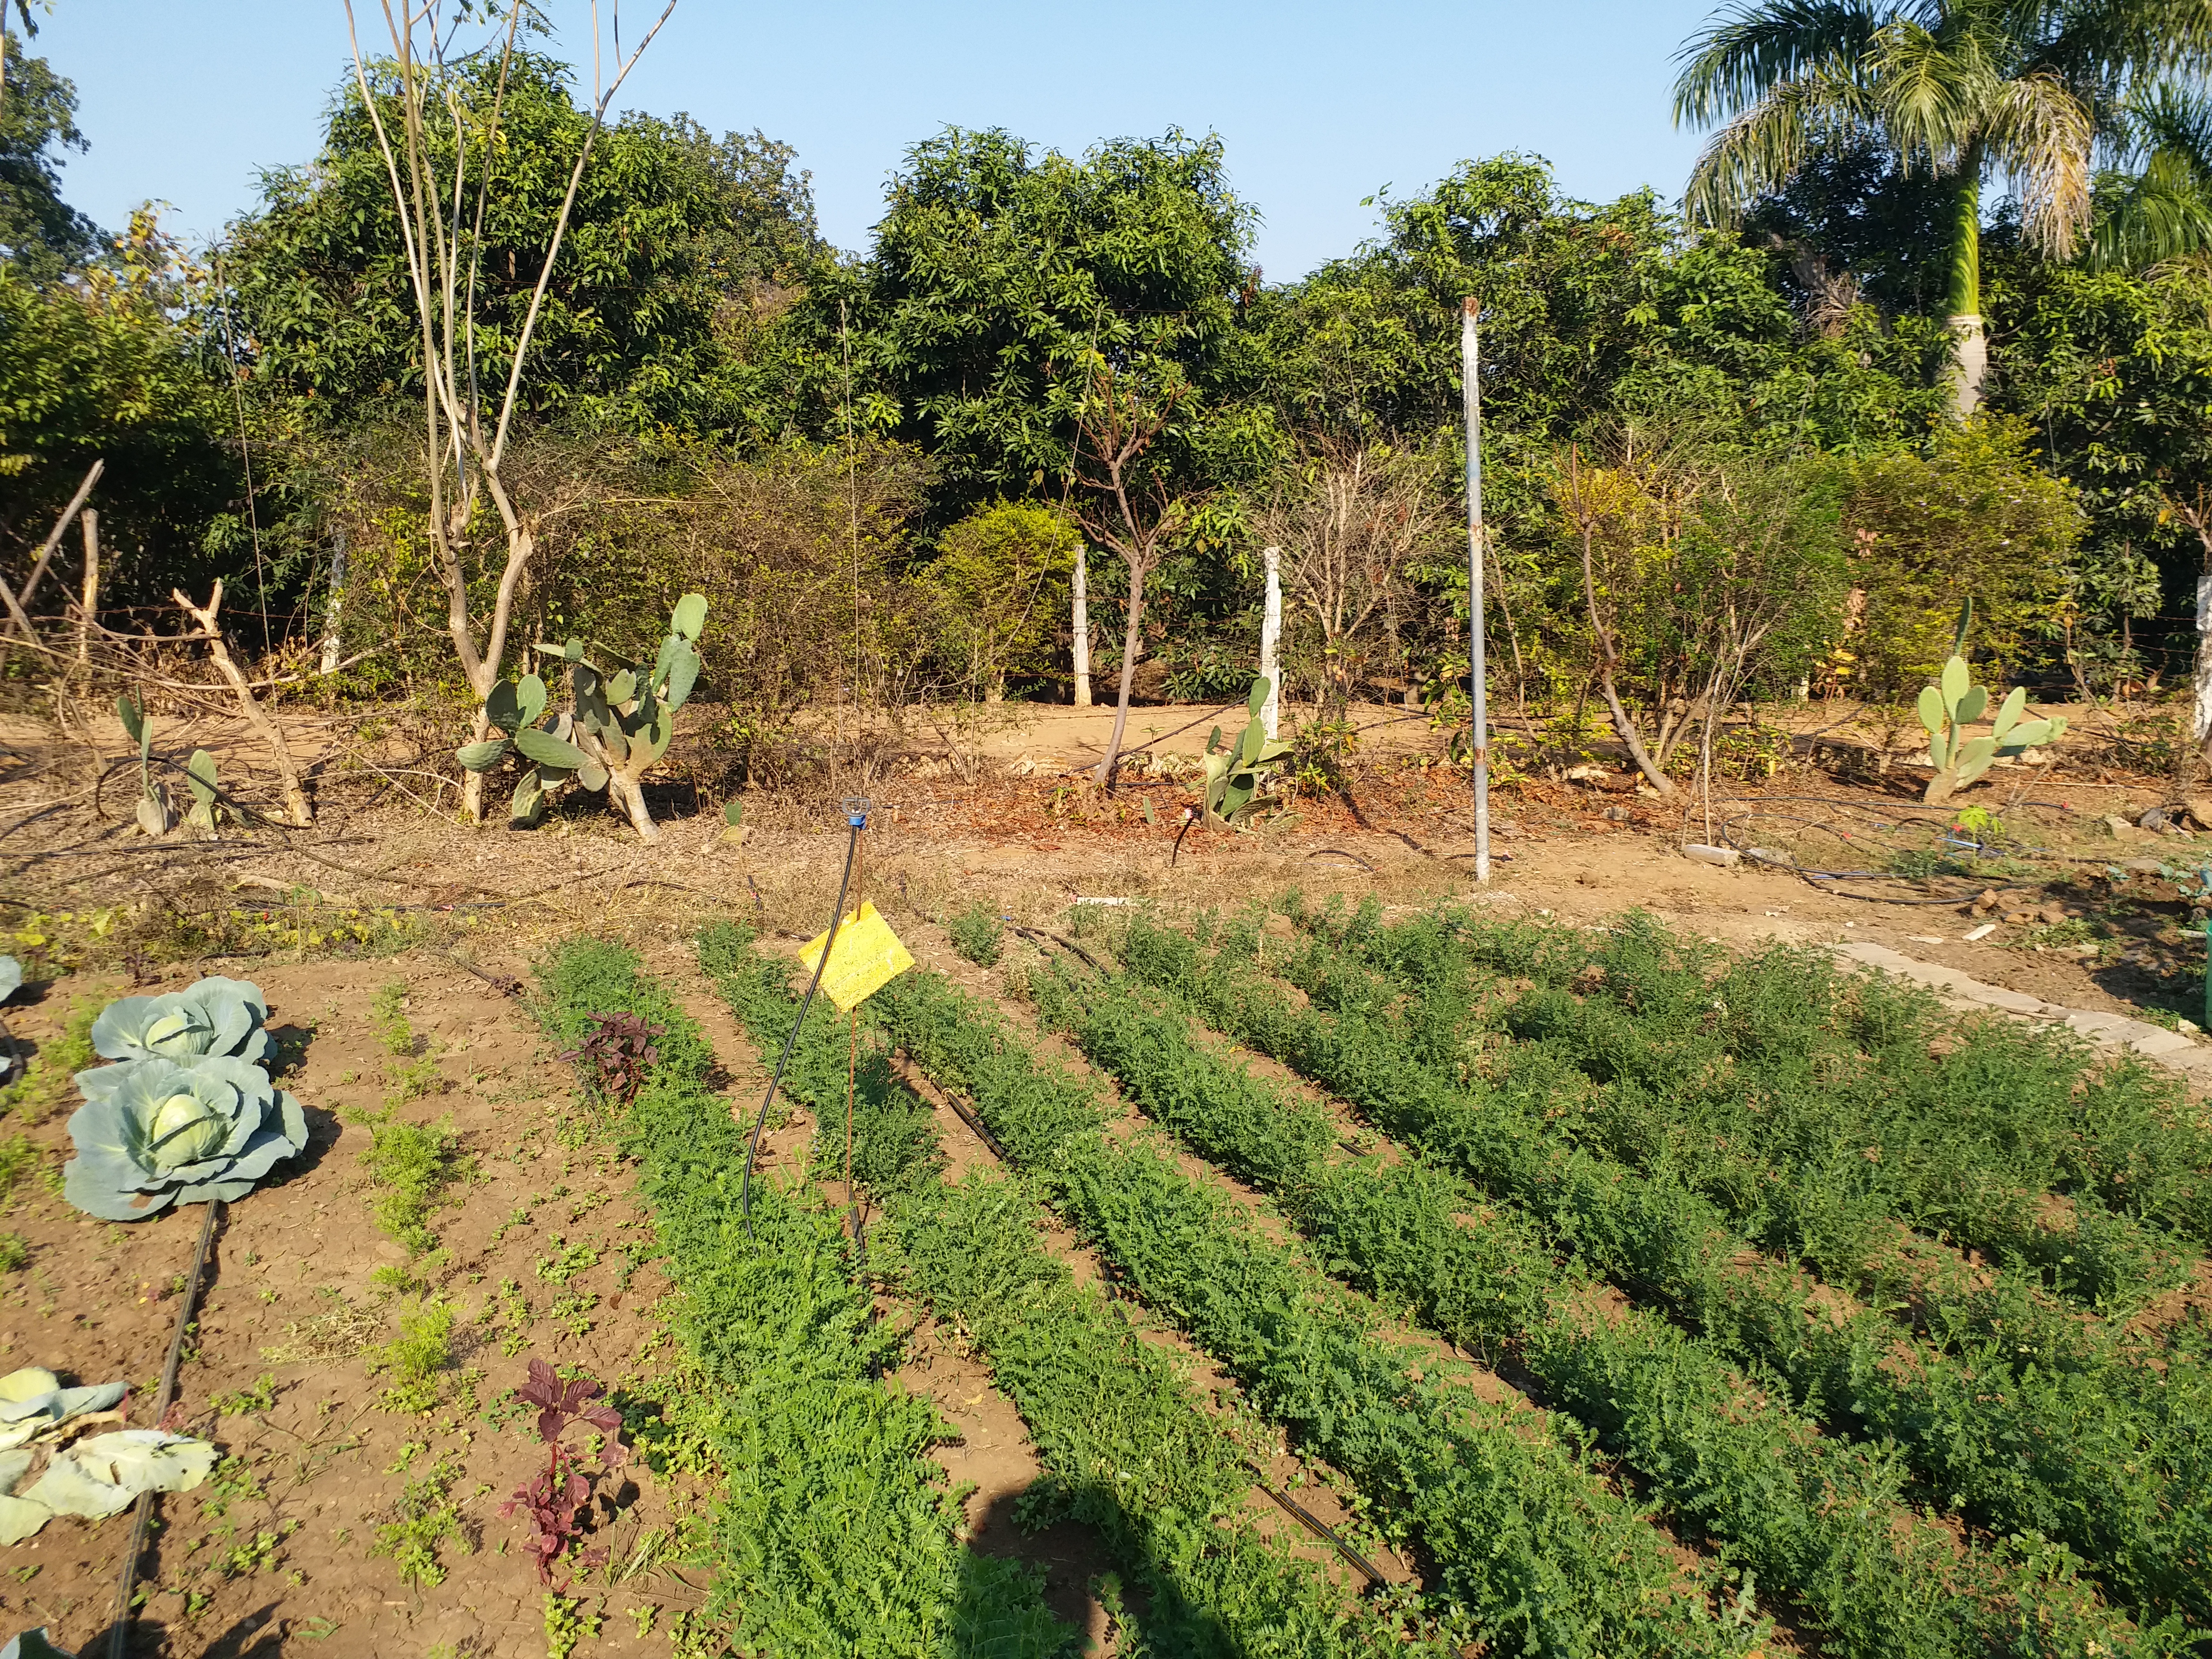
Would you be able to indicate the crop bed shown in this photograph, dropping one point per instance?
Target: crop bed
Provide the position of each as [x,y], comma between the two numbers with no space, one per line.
[1721,1377]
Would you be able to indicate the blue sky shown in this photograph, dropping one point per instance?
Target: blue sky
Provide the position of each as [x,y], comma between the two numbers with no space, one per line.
[1319,105]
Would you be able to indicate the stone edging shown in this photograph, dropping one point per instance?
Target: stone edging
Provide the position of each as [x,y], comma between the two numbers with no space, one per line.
[2153,1041]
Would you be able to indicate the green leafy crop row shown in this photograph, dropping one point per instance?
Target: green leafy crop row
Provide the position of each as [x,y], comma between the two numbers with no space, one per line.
[837,1536]
[1822,1104]
[1124,1441]
[2040,1438]
[1512,1524]
[1826,1519]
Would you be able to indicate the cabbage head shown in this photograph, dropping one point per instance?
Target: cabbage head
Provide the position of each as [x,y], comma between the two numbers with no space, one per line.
[154,1133]
[213,1016]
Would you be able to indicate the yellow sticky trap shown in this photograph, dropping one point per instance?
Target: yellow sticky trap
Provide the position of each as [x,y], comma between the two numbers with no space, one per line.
[868,957]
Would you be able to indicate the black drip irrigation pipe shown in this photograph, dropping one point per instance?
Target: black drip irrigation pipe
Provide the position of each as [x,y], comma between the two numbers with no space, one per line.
[120,1636]
[1319,1527]
[1339,853]
[1821,880]
[856,818]
[1043,937]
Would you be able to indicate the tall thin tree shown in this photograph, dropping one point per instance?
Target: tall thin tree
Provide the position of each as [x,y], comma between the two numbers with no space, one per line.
[464,454]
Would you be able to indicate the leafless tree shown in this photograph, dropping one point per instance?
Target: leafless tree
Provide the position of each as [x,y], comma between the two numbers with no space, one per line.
[1352,518]
[1131,505]
[466,462]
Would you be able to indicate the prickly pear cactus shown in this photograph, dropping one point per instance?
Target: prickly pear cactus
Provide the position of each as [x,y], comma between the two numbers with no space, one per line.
[619,722]
[1953,703]
[1237,778]
[207,808]
[154,815]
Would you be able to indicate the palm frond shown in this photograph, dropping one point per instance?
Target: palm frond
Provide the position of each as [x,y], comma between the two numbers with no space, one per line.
[2120,41]
[2164,212]
[1759,152]
[1756,45]
[2040,133]
[2169,120]
[1934,92]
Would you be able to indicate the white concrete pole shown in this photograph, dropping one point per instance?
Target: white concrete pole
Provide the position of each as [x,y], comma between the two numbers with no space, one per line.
[1081,624]
[1271,643]
[1477,676]
[331,641]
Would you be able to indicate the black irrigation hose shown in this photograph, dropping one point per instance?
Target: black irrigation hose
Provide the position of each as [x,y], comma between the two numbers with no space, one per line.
[1315,1524]
[120,1636]
[1188,819]
[1039,933]
[857,819]
[1338,852]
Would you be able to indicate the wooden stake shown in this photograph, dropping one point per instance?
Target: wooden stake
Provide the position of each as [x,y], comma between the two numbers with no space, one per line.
[91,606]
[15,602]
[288,775]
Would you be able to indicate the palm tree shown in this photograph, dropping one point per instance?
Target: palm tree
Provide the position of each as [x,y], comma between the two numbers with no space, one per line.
[2027,89]
[2156,205]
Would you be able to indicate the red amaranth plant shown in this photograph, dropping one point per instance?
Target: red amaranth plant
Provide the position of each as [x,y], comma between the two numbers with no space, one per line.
[555,1500]
[619,1048]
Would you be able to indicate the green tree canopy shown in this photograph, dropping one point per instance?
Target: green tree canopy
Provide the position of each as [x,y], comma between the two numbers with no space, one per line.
[678,241]
[98,369]
[41,236]
[1962,88]
[998,269]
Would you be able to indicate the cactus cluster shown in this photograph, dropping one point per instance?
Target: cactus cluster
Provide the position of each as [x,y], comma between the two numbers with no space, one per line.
[619,723]
[1237,777]
[156,815]
[1954,703]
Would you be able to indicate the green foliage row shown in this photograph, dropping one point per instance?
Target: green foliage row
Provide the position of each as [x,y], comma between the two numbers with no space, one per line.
[836,1536]
[978,934]
[1513,1525]
[1826,1106]
[1826,1521]
[2017,1415]
[1125,1441]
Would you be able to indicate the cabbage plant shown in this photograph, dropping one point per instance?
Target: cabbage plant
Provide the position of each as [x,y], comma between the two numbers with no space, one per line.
[213,1016]
[154,1133]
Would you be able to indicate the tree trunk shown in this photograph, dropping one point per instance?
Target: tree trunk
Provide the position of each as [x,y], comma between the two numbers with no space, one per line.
[1625,728]
[1130,637]
[1081,622]
[631,795]
[1271,643]
[1970,359]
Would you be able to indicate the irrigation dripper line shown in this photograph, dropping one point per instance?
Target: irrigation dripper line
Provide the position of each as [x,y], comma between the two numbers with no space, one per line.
[1088,960]
[1313,1523]
[856,818]
[120,1639]
[1338,852]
